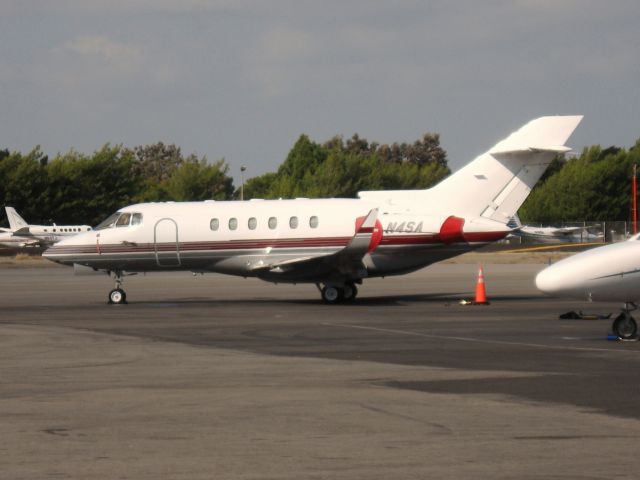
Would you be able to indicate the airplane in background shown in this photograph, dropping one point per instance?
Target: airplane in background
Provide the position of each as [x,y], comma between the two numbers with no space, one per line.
[21,235]
[605,274]
[333,243]
[547,234]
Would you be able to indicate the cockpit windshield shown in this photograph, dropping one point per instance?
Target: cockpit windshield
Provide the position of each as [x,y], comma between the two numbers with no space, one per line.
[110,222]
[120,219]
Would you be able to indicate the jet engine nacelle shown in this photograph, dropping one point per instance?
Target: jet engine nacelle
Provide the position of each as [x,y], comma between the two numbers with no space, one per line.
[444,229]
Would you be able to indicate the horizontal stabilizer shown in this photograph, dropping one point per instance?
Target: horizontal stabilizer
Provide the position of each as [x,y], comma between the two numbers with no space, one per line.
[554,149]
[544,133]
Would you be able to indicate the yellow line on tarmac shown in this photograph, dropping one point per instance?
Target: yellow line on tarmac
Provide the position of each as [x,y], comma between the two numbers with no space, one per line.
[551,247]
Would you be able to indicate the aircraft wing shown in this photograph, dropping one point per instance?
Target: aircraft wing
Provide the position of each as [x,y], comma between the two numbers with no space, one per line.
[19,243]
[568,230]
[22,231]
[347,261]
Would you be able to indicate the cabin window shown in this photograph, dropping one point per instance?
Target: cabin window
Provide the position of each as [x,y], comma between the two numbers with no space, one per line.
[252,223]
[313,222]
[233,223]
[273,222]
[136,219]
[214,224]
[293,222]
[123,220]
[54,229]
[45,230]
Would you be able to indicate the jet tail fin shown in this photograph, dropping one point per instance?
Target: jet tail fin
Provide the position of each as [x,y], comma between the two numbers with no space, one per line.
[502,178]
[16,222]
[496,183]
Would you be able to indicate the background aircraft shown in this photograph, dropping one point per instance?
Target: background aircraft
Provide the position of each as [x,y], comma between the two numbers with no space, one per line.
[546,234]
[334,243]
[605,274]
[21,235]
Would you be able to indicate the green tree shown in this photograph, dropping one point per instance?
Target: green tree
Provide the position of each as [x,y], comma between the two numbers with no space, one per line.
[23,179]
[341,169]
[199,180]
[594,186]
[84,189]
[259,187]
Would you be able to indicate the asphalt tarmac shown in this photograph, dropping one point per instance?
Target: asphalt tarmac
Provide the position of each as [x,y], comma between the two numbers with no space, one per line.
[222,377]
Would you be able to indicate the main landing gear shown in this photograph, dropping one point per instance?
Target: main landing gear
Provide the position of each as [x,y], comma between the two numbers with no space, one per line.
[118,296]
[332,294]
[625,326]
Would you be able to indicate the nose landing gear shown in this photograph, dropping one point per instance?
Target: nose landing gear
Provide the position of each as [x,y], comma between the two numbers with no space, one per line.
[117,296]
[625,326]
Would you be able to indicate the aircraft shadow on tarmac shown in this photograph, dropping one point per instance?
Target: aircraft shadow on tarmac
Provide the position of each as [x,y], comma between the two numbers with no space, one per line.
[446,298]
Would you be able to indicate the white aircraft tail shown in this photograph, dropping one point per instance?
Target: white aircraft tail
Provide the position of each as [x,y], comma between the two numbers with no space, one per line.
[16,222]
[496,183]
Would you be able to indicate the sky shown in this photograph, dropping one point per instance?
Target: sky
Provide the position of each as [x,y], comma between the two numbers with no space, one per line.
[242,80]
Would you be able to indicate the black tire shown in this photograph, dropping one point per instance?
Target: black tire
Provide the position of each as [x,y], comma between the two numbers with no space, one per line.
[332,295]
[117,296]
[625,326]
[350,292]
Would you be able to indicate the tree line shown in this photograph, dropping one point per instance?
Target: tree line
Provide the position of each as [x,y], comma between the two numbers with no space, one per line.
[339,168]
[77,188]
[595,185]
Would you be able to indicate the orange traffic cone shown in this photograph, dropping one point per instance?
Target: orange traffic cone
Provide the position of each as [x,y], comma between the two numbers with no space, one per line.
[481,293]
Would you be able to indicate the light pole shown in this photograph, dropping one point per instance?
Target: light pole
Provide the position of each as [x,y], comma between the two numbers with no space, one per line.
[242,170]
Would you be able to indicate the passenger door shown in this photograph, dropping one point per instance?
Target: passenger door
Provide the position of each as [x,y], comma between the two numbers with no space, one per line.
[165,243]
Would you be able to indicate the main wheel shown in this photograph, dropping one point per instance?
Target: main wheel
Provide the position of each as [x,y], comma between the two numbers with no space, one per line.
[350,291]
[625,327]
[331,294]
[117,296]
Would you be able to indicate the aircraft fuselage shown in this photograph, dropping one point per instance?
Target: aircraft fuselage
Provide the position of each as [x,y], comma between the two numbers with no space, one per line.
[243,238]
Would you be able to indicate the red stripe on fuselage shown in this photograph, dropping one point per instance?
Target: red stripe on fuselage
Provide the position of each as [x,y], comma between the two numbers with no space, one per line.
[338,242]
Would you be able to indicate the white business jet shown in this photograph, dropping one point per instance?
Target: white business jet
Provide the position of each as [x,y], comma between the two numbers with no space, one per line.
[334,243]
[604,274]
[21,235]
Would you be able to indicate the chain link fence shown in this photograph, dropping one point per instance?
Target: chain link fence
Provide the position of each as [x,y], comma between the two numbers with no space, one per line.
[572,232]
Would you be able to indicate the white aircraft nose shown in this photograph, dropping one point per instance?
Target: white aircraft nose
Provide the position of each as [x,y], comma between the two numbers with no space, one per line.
[551,280]
[563,279]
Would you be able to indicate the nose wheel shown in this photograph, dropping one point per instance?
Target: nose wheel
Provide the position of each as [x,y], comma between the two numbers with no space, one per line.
[625,326]
[118,296]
